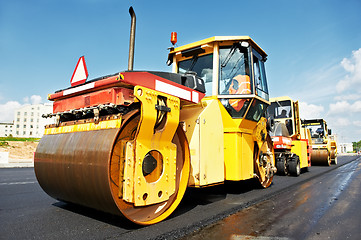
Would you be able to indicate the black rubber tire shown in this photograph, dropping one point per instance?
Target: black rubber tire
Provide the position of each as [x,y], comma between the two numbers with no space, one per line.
[294,166]
[281,166]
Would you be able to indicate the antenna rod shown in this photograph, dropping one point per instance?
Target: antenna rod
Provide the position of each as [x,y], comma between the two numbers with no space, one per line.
[132,39]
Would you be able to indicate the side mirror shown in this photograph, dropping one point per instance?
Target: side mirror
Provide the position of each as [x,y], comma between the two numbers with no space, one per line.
[329,132]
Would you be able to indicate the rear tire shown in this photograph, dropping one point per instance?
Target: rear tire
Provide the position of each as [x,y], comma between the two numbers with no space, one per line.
[294,166]
[281,166]
[264,162]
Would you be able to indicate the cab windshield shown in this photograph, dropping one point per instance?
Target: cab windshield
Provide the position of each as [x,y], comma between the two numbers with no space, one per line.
[234,77]
[203,66]
[280,109]
[317,130]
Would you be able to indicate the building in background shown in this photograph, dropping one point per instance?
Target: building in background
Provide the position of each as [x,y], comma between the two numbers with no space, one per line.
[344,148]
[28,120]
[6,129]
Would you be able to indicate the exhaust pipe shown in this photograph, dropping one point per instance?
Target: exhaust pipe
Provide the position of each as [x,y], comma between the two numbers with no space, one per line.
[132,39]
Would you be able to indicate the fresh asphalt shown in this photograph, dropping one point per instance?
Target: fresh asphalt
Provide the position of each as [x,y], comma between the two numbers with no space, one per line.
[26,212]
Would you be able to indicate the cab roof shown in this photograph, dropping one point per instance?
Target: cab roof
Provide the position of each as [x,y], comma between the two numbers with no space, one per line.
[282,98]
[219,39]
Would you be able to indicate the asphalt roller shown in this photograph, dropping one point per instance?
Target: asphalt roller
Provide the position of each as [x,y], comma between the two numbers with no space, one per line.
[130,143]
[323,147]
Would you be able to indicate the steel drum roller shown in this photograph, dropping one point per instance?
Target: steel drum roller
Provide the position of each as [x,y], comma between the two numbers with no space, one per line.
[320,157]
[86,168]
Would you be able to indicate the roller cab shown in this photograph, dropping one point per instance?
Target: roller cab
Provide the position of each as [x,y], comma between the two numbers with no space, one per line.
[291,141]
[226,130]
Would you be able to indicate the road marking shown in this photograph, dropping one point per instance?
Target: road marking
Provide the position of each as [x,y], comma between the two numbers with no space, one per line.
[16,183]
[248,237]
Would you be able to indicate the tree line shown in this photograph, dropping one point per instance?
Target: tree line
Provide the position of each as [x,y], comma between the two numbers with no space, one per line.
[356,146]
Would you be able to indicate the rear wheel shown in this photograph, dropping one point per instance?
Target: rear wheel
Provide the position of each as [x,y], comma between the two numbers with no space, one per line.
[264,163]
[294,166]
[281,165]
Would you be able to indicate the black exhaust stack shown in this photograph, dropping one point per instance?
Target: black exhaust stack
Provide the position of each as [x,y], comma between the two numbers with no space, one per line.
[132,39]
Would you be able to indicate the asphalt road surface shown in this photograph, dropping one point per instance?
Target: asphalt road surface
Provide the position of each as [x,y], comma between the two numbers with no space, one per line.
[322,203]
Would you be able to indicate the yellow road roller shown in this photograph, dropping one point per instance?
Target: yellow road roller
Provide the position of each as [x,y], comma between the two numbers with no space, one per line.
[130,143]
[324,150]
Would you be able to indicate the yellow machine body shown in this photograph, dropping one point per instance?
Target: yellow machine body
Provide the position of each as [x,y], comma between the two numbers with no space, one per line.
[300,148]
[136,156]
[220,148]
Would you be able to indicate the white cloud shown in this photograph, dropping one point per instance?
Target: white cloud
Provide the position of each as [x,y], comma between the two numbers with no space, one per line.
[310,111]
[339,107]
[7,111]
[35,99]
[344,107]
[357,123]
[341,122]
[353,67]
[348,97]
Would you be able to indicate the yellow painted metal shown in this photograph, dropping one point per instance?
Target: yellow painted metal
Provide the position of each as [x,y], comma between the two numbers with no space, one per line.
[299,148]
[238,156]
[239,147]
[333,149]
[240,137]
[182,180]
[260,132]
[83,127]
[128,176]
[144,192]
[221,148]
[223,39]
[204,131]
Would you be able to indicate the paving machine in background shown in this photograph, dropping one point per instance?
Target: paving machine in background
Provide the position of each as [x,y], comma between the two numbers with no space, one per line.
[292,143]
[130,143]
[324,151]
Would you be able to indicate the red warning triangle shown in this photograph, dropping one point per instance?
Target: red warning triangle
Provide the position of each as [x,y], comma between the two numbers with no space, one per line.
[80,73]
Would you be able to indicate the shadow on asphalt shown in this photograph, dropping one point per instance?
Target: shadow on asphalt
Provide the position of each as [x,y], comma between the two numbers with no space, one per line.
[108,218]
[207,195]
[192,198]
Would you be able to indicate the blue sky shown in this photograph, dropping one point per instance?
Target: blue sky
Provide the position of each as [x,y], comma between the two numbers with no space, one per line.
[314,47]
